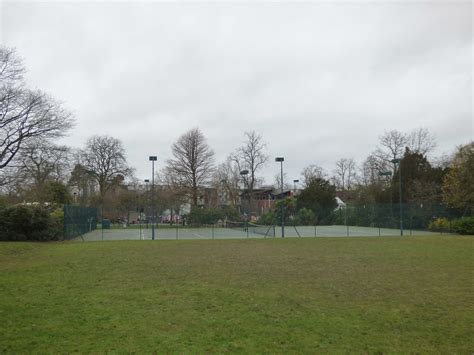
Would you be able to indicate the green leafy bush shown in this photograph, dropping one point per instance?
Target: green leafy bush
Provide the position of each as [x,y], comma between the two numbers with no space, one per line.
[205,216]
[231,213]
[305,217]
[29,223]
[439,224]
[267,218]
[56,226]
[464,225]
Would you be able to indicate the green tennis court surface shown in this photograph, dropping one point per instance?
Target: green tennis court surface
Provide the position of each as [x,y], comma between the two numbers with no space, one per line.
[240,233]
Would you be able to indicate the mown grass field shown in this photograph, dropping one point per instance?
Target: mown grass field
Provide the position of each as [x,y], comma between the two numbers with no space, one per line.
[386,295]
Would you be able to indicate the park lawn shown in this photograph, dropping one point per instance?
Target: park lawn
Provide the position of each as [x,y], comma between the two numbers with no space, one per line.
[391,295]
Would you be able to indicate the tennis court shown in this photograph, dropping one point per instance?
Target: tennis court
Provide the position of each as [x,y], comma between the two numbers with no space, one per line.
[241,232]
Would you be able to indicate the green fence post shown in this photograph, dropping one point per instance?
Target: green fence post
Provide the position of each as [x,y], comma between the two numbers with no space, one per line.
[64,223]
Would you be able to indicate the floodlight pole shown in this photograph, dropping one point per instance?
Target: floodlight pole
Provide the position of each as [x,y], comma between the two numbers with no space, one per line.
[399,162]
[153,159]
[294,183]
[282,210]
[400,192]
[147,201]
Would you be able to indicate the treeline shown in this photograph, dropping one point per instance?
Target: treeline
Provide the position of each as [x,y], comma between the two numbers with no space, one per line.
[436,194]
[35,171]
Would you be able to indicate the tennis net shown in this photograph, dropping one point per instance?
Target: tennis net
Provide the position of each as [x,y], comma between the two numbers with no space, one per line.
[268,231]
[252,228]
[236,225]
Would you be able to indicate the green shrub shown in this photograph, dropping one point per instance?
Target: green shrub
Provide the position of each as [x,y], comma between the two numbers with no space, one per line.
[267,218]
[231,213]
[29,223]
[205,216]
[3,202]
[56,226]
[464,225]
[305,217]
[439,224]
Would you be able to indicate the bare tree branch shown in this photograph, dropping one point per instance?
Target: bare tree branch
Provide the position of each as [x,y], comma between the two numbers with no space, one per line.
[42,161]
[193,162]
[227,179]
[252,157]
[345,173]
[421,141]
[25,114]
[312,172]
[104,158]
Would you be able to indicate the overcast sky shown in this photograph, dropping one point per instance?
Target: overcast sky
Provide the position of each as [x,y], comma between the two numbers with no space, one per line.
[319,81]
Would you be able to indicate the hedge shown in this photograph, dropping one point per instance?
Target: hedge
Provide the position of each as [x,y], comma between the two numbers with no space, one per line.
[464,225]
[36,223]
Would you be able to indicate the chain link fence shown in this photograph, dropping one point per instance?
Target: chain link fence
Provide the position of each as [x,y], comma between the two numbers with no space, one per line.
[347,221]
[79,220]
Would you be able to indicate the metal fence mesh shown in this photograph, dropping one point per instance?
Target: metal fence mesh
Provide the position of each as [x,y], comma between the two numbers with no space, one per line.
[79,220]
[349,220]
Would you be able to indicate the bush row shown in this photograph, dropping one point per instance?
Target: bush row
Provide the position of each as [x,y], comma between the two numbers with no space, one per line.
[212,215]
[463,225]
[38,223]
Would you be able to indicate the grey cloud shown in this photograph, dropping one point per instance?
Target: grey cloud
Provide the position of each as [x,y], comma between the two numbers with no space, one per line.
[320,81]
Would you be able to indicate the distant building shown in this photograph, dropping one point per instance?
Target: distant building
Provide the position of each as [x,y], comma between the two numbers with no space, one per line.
[263,200]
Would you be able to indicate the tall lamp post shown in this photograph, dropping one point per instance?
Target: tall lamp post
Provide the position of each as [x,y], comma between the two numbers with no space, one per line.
[294,183]
[244,173]
[152,159]
[147,201]
[398,161]
[282,210]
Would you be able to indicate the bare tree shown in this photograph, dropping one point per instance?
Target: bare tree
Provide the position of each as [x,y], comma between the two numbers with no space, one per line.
[41,161]
[11,66]
[104,159]
[24,114]
[371,168]
[421,141]
[286,182]
[340,173]
[312,172]
[345,173]
[393,145]
[227,179]
[351,174]
[192,165]
[251,156]
[443,161]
